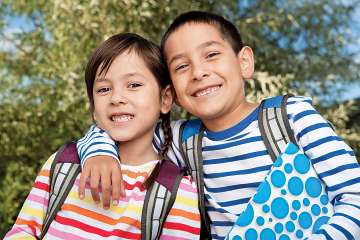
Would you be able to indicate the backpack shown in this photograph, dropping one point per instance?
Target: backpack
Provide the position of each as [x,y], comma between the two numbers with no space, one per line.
[275,131]
[159,198]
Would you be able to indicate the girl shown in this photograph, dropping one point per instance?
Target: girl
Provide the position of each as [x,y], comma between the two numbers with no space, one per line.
[128,91]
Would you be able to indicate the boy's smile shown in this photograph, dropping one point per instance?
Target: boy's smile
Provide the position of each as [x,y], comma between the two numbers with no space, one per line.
[208,75]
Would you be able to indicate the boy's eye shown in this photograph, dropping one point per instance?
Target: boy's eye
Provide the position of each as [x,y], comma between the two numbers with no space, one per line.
[103,90]
[134,85]
[212,54]
[182,66]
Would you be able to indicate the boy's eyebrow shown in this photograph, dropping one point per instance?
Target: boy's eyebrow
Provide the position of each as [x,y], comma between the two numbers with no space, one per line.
[203,45]
[209,43]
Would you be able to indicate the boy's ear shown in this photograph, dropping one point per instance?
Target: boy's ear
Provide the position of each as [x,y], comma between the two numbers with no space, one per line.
[167,99]
[246,60]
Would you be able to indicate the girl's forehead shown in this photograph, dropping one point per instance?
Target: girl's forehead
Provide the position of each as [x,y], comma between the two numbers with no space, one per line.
[127,63]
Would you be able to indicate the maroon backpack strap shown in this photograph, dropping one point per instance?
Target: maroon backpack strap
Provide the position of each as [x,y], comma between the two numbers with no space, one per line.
[159,199]
[67,154]
[169,175]
[63,172]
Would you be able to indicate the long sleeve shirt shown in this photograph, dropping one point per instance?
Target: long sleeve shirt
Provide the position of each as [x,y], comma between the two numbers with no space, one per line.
[236,161]
[83,219]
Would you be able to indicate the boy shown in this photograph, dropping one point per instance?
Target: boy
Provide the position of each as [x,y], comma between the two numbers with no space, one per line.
[208,64]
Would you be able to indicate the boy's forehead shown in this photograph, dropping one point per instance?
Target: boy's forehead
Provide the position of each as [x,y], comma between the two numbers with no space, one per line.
[190,36]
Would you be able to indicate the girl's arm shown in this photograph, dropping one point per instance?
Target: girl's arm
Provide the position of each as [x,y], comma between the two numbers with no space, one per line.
[29,222]
[183,221]
[336,165]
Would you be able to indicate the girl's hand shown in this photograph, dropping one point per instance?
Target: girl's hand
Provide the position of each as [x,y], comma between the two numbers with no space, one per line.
[106,171]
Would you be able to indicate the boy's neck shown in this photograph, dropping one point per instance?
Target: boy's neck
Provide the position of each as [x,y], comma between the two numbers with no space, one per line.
[137,152]
[230,119]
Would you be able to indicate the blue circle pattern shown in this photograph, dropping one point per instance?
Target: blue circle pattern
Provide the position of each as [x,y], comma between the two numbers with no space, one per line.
[315,209]
[306,202]
[313,187]
[290,226]
[278,161]
[263,193]
[325,210]
[266,208]
[251,234]
[260,221]
[279,228]
[299,234]
[278,178]
[247,218]
[296,205]
[284,237]
[301,164]
[288,168]
[237,237]
[279,206]
[293,216]
[267,234]
[305,220]
[291,149]
[319,222]
[296,186]
[324,199]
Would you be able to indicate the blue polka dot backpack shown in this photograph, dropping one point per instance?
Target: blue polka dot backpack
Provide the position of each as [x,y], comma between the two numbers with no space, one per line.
[291,202]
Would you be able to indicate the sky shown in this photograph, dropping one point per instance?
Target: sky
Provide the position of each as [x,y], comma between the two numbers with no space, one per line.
[20,24]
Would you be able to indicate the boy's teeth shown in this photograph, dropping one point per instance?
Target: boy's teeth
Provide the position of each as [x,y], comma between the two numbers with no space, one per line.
[121,118]
[206,91]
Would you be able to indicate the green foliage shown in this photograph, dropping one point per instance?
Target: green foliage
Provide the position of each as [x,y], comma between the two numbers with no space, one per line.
[15,186]
[43,99]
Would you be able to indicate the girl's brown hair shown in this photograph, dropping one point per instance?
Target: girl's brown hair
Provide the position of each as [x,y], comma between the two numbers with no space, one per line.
[102,58]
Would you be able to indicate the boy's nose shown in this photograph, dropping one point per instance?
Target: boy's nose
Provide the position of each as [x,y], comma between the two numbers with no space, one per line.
[200,72]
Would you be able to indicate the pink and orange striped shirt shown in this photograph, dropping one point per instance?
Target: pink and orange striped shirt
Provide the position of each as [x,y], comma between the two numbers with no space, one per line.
[83,219]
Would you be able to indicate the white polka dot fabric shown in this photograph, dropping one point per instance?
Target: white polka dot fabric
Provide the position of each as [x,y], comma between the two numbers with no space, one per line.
[291,203]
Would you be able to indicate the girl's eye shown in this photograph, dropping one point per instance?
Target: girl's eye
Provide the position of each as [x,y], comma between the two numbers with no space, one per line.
[134,85]
[182,66]
[103,90]
[212,54]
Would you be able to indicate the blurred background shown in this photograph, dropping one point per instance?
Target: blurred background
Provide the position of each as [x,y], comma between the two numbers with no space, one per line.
[302,47]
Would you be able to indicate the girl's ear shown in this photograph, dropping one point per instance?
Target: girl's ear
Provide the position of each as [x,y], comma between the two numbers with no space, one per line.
[246,60]
[167,99]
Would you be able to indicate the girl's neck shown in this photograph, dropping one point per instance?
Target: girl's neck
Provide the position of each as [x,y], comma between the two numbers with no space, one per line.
[137,152]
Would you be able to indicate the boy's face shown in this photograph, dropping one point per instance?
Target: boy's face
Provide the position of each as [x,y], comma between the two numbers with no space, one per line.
[207,74]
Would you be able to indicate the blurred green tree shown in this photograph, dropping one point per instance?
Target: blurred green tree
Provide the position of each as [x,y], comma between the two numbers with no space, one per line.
[298,45]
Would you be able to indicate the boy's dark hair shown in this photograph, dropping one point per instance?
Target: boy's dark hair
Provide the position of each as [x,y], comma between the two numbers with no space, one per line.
[102,58]
[227,30]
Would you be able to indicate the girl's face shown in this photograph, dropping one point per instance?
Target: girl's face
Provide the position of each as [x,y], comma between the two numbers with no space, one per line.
[127,99]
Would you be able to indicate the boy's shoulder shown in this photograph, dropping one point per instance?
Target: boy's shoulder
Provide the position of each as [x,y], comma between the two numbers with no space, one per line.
[276,101]
[294,105]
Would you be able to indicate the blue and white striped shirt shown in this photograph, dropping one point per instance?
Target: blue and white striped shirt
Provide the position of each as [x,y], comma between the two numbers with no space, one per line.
[236,162]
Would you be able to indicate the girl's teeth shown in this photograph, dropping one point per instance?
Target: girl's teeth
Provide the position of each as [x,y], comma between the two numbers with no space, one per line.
[207,91]
[122,118]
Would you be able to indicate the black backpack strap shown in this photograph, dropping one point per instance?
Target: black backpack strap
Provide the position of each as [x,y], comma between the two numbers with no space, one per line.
[64,170]
[191,151]
[159,199]
[274,125]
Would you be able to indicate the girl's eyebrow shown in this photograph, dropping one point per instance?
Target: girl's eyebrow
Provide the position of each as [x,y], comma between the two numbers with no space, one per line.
[101,79]
[125,76]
